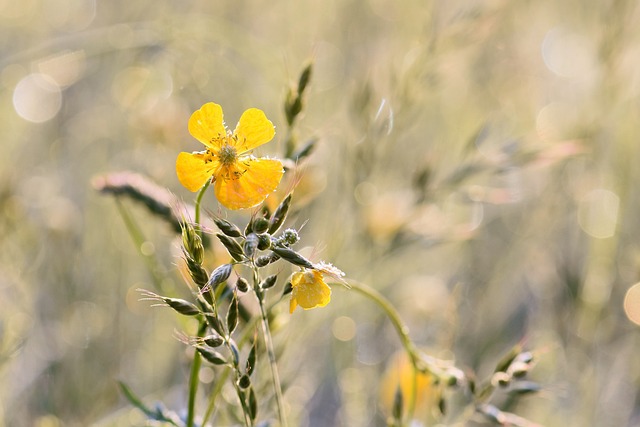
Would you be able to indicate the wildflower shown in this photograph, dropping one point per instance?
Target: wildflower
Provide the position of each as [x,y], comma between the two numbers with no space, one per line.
[399,376]
[309,290]
[241,180]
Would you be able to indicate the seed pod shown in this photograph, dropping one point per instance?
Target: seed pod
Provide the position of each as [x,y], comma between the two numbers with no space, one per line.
[305,150]
[242,285]
[192,243]
[501,379]
[278,217]
[288,287]
[250,245]
[253,404]
[244,382]
[233,247]
[265,260]
[213,340]
[215,324]
[397,405]
[196,271]
[305,78]
[269,282]
[292,256]
[182,306]
[264,242]
[212,356]
[227,227]
[232,314]
[260,225]
[251,358]
[518,369]
[442,405]
[219,275]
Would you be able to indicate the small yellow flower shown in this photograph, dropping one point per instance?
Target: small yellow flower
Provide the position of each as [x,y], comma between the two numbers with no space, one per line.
[309,290]
[241,180]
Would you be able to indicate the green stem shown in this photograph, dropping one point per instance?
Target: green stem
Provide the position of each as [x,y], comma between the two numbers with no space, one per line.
[268,340]
[246,334]
[198,201]
[202,327]
[403,333]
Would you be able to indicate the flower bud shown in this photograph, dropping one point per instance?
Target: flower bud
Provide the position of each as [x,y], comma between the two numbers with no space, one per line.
[260,225]
[220,275]
[242,285]
[250,245]
[227,227]
[293,257]
[264,242]
[182,306]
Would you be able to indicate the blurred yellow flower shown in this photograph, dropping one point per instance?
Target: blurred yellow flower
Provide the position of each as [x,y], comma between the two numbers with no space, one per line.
[241,180]
[309,290]
[399,375]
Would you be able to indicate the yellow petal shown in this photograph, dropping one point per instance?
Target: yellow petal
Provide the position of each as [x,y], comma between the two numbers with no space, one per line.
[248,182]
[207,125]
[309,290]
[253,130]
[194,169]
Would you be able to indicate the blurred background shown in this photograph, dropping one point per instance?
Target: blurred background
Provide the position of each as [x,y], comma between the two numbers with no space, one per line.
[475,163]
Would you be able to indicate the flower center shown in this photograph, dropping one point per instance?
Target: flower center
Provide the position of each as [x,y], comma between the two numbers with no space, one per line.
[227,155]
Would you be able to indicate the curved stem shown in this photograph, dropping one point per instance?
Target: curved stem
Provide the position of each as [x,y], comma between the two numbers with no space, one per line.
[198,202]
[401,329]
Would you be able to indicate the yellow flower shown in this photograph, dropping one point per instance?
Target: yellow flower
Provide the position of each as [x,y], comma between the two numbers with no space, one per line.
[241,180]
[309,290]
[399,375]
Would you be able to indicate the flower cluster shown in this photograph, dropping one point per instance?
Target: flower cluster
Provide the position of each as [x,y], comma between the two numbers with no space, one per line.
[244,181]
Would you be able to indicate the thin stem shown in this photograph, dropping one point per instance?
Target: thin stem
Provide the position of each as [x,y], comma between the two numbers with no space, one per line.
[246,334]
[202,327]
[193,378]
[198,201]
[266,334]
[401,329]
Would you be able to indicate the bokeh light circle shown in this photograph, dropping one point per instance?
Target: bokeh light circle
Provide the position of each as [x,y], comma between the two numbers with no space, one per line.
[632,304]
[36,98]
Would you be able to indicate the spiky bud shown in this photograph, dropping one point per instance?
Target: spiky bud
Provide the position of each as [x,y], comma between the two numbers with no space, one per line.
[269,282]
[219,275]
[260,225]
[233,247]
[212,356]
[244,382]
[182,306]
[213,340]
[227,227]
[292,256]
[242,285]
[278,217]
